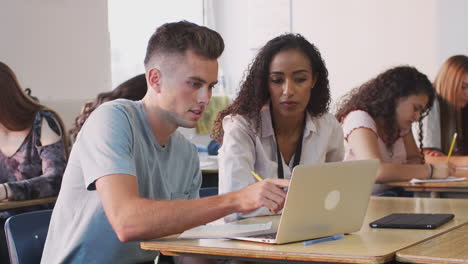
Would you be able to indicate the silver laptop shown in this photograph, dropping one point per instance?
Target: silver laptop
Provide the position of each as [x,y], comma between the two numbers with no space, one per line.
[323,200]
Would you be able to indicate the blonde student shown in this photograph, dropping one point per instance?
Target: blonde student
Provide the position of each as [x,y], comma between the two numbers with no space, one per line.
[449,115]
[279,119]
[377,118]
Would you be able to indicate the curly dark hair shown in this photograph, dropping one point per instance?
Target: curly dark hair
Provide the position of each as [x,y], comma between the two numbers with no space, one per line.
[379,97]
[254,92]
[133,89]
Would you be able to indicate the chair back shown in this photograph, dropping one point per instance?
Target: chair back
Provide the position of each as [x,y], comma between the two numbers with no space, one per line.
[25,235]
[208,191]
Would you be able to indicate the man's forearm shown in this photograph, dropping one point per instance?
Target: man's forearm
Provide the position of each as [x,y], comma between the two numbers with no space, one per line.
[147,219]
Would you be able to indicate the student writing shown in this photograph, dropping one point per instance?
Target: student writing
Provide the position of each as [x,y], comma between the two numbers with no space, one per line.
[377,119]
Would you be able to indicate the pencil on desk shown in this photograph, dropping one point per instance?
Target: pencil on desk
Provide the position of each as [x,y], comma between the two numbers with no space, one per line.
[256,176]
[451,146]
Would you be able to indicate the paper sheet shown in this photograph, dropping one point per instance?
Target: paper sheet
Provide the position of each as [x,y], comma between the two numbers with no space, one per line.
[448,179]
[225,231]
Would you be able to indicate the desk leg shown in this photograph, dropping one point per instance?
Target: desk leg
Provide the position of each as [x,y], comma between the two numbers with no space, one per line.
[420,194]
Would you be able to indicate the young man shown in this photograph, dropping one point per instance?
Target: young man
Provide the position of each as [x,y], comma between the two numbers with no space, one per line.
[130,173]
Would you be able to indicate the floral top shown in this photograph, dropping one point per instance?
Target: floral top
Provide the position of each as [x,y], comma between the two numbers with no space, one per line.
[34,171]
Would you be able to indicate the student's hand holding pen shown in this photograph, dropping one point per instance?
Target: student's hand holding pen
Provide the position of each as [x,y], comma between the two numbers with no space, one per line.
[442,170]
[267,193]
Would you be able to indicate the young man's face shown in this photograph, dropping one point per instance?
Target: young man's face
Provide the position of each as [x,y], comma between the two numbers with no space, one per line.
[186,88]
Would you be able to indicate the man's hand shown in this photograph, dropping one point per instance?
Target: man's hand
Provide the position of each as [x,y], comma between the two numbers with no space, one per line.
[268,193]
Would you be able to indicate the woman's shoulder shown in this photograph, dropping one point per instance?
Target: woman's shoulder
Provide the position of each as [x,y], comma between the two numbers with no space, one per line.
[50,127]
[235,121]
[327,118]
[358,116]
[358,119]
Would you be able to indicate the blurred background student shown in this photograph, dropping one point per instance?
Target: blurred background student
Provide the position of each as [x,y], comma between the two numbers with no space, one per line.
[449,114]
[33,149]
[133,89]
[377,119]
[279,119]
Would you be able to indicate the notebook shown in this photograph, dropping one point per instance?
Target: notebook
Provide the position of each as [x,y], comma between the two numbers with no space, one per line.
[323,200]
[412,221]
[448,179]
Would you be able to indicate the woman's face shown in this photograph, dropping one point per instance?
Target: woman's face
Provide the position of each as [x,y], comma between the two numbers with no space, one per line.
[464,96]
[409,110]
[290,81]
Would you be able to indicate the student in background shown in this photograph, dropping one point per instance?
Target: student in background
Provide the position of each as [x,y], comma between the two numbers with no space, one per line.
[449,114]
[132,89]
[33,152]
[132,176]
[377,119]
[279,119]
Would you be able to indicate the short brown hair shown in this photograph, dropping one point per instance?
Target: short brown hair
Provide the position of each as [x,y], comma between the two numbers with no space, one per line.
[178,37]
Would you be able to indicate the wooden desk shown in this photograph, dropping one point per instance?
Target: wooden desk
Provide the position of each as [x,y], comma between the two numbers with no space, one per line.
[451,247]
[369,245]
[435,189]
[17,204]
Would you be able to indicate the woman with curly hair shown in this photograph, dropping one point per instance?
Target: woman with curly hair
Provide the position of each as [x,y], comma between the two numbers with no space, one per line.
[132,89]
[279,119]
[449,114]
[33,152]
[377,119]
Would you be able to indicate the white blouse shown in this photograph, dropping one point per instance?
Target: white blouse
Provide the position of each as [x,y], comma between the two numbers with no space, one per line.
[430,128]
[243,151]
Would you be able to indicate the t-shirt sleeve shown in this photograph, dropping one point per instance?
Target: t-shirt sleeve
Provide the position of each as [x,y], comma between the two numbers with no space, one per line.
[358,119]
[106,145]
[197,175]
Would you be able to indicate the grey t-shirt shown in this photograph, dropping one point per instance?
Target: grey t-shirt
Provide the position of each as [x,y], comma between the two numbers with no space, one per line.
[115,139]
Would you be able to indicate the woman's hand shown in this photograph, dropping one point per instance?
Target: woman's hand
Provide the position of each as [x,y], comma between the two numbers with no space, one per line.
[433,153]
[442,170]
[3,192]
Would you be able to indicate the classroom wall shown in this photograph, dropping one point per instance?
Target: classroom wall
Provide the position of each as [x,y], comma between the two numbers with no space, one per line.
[358,39]
[246,26]
[60,49]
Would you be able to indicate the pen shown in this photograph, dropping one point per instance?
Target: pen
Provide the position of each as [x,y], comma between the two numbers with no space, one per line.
[451,146]
[322,239]
[256,176]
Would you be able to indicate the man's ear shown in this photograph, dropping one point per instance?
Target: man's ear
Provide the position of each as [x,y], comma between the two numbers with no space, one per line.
[154,79]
